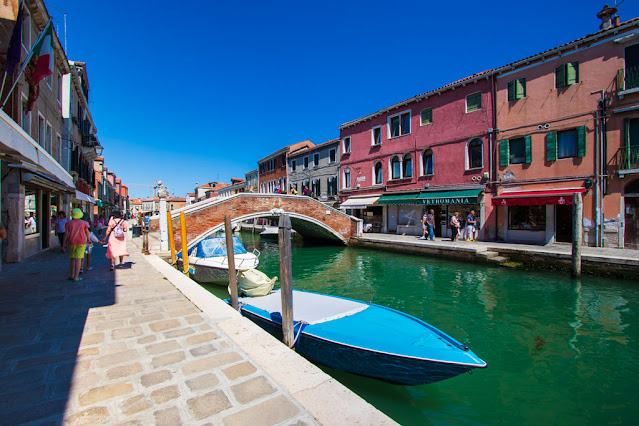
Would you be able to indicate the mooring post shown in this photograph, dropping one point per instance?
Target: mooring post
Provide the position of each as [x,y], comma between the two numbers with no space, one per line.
[185,253]
[577,225]
[286,279]
[171,237]
[230,253]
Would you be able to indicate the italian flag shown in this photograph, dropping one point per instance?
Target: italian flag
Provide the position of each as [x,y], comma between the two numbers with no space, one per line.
[43,54]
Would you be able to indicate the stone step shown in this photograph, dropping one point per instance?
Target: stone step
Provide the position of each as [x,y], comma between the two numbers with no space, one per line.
[487,254]
[497,259]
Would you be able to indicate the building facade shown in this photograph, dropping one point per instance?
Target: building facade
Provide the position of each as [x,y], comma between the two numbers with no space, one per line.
[272,169]
[317,169]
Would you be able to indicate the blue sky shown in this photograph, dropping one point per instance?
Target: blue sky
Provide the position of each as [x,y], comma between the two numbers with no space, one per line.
[199,91]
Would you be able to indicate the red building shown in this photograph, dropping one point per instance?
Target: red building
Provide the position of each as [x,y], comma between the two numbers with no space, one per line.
[272,170]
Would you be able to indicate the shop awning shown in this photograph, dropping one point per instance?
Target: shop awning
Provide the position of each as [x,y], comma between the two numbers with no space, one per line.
[84,197]
[536,198]
[359,202]
[460,196]
[398,199]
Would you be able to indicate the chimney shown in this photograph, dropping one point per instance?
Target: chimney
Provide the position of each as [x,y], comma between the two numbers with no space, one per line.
[606,17]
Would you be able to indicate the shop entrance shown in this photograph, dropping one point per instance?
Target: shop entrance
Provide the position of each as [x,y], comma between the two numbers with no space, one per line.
[631,201]
[563,223]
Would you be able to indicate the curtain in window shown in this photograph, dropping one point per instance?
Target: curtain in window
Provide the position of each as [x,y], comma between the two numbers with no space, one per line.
[405,123]
[378,173]
[394,123]
[475,157]
[567,144]
[408,166]
[396,168]
[428,162]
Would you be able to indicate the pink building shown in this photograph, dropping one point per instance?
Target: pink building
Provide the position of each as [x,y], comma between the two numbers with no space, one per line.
[427,152]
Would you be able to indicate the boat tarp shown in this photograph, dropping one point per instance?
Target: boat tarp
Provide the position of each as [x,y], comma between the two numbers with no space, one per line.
[216,246]
[311,308]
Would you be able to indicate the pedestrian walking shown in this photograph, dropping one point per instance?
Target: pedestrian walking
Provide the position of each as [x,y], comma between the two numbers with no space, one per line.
[75,236]
[430,222]
[59,227]
[469,230]
[116,233]
[88,251]
[424,226]
[454,227]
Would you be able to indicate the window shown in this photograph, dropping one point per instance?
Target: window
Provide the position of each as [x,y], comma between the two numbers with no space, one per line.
[346,145]
[515,151]
[332,155]
[376,136]
[427,162]
[331,186]
[399,124]
[377,173]
[567,74]
[347,178]
[475,154]
[49,139]
[59,89]
[527,218]
[316,160]
[473,102]
[58,144]
[516,89]
[315,187]
[426,116]
[293,165]
[396,168]
[566,144]
[407,163]
[49,80]
[26,30]
[41,131]
[305,162]
[26,116]
[31,212]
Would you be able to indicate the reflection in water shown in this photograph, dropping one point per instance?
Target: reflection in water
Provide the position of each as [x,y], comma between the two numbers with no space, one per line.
[558,351]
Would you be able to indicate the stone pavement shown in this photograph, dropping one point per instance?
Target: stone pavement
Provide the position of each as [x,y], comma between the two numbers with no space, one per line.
[126,347]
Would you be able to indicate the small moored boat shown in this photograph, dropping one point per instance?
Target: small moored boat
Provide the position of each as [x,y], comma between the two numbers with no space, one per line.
[365,339]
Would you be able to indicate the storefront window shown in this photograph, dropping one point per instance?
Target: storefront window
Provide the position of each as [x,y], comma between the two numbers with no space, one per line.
[30,216]
[527,218]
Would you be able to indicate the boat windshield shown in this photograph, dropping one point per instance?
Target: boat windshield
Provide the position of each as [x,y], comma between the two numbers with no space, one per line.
[216,246]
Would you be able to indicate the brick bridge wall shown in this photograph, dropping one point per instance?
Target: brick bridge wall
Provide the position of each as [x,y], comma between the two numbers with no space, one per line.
[208,214]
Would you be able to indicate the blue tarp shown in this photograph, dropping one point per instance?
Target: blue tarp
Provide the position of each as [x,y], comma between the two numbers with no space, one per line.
[216,246]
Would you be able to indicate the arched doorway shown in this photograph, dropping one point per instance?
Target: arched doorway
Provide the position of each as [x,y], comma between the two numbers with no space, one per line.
[631,212]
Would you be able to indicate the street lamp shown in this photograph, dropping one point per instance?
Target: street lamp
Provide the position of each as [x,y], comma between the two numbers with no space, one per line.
[98,150]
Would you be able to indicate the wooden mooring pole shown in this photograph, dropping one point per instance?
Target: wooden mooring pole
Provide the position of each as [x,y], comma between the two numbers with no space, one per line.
[577,225]
[185,252]
[286,279]
[230,255]
[171,237]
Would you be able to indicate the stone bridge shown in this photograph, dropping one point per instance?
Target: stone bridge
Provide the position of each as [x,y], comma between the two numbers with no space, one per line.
[309,217]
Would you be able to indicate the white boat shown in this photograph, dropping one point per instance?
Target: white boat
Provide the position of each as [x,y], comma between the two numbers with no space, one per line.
[209,263]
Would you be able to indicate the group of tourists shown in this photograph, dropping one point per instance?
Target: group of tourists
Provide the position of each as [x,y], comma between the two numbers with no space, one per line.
[469,232]
[75,235]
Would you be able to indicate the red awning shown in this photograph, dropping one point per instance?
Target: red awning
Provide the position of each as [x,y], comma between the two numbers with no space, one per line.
[536,198]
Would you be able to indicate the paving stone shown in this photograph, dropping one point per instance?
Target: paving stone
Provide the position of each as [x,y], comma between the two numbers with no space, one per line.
[194,319]
[158,348]
[91,339]
[125,370]
[121,315]
[164,325]
[206,327]
[86,352]
[156,377]
[135,405]
[272,411]
[105,392]
[23,397]
[27,351]
[165,394]
[179,332]
[203,350]
[239,370]
[147,318]
[45,360]
[209,363]
[168,359]
[29,378]
[203,382]
[225,345]
[109,325]
[252,389]
[167,417]
[147,339]
[117,358]
[201,338]
[209,404]
[126,333]
[91,416]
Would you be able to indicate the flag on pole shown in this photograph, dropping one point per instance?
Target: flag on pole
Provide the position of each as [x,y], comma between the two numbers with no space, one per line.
[43,55]
[15,45]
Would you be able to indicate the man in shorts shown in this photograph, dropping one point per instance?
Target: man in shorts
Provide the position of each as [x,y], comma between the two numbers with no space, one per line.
[76,236]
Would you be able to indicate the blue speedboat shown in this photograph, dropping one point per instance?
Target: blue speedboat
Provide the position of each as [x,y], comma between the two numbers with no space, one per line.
[365,339]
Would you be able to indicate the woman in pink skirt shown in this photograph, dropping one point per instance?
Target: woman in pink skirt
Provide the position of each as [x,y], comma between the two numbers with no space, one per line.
[116,232]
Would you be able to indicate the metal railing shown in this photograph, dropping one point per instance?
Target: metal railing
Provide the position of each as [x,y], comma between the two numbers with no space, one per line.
[627,78]
[628,158]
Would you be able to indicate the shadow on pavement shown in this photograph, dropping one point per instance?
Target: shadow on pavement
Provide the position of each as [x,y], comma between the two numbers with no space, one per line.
[42,317]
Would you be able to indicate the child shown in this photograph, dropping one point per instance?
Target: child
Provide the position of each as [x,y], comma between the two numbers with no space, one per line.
[76,235]
[88,250]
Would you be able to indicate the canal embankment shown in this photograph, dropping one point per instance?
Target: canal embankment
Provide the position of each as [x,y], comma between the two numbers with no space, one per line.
[145,345]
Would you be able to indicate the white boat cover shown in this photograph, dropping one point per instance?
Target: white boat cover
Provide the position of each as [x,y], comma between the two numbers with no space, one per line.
[312,308]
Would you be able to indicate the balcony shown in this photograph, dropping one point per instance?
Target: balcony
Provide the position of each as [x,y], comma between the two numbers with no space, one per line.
[627,81]
[628,160]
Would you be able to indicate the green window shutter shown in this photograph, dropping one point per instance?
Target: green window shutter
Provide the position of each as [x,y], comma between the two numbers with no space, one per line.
[520,88]
[551,146]
[503,153]
[511,91]
[572,73]
[560,76]
[528,140]
[626,133]
[581,141]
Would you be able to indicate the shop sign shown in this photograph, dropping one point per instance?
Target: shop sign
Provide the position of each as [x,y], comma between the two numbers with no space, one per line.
[451,200]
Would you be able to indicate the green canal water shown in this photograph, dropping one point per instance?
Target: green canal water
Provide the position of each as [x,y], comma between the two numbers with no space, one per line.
[559,351]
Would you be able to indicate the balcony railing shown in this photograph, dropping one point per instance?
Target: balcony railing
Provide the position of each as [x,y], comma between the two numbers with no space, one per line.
[628,158]
[627,78]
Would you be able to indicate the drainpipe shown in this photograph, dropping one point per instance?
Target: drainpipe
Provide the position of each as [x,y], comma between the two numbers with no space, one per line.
[599,167]
[603,151]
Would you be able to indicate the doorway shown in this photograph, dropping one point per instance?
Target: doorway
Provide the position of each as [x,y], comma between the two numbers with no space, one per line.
[563,223]
[631,235]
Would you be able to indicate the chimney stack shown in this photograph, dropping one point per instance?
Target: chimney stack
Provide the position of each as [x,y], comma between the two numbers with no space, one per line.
[606,17]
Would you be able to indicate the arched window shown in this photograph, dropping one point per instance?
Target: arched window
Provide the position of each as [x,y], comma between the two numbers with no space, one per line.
[407,166]
[396,168]
[315,188]
[427,162]
[475,154]
[377,173]
[347,178]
